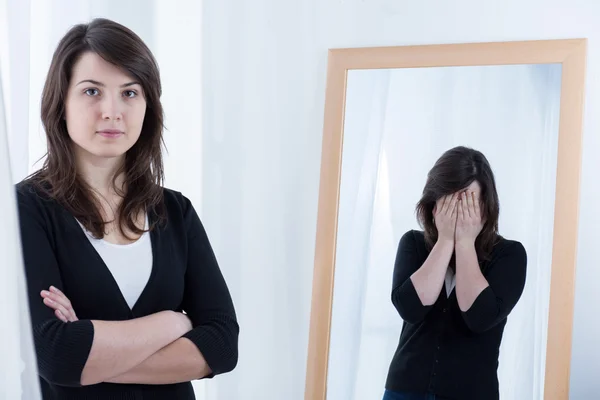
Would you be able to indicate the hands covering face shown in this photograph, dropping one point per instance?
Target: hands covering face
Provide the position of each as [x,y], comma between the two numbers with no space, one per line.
[458,217]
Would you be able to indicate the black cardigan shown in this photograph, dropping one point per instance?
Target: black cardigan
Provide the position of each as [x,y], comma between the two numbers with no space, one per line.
[445,351]
[185,276]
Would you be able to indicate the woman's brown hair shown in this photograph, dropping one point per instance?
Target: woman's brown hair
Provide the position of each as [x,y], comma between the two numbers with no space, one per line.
[454,171]
[143,166]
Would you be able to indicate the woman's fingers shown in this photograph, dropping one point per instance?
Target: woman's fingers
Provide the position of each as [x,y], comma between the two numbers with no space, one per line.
[58,298]
[58,301]
[59,309]
[452,205]
[56,290]
[63,299]
[444,204]
[61,316]
[462,215]
[454,212]
[461,204]
[476,205]
[468,196]
[440,206]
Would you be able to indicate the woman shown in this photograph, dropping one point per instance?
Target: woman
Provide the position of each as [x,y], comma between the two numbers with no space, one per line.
[113,260]
[454,285]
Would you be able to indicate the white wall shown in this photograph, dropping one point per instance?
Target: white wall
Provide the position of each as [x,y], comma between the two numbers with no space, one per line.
[264,85]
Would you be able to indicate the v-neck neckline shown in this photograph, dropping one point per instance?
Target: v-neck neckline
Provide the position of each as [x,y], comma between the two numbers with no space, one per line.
[449,279]
[132,311]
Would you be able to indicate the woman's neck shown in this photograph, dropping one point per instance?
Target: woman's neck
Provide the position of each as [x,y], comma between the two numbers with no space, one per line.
[99,174]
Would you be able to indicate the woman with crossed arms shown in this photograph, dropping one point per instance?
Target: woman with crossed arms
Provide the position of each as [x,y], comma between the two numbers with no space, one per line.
[125,294]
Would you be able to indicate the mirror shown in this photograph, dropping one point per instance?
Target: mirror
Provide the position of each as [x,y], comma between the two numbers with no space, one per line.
[396,122]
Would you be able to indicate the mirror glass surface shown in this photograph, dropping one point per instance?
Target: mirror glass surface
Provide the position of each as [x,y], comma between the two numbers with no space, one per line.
[397,123]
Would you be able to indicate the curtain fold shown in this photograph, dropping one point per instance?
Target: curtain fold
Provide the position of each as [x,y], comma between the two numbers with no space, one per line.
[364,138]
[18,367]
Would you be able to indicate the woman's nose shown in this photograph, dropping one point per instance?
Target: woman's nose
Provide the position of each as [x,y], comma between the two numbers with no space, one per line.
[111,109]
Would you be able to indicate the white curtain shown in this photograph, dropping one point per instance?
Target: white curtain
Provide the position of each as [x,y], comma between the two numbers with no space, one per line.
[510,113]
[18,369]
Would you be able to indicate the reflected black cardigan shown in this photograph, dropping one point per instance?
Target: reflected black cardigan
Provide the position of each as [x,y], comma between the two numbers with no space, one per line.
[185,277]
[445,351]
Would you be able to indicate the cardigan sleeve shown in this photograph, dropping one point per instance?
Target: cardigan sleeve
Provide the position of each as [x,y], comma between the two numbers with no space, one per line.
[207,300]
[506,279]
[62,349]
[404,295]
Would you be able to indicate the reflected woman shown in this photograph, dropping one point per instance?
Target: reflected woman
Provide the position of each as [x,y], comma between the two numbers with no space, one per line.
[125,294]
[454,285]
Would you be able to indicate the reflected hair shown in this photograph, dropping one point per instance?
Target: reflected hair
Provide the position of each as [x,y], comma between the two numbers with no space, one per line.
[453,172]
[143,166]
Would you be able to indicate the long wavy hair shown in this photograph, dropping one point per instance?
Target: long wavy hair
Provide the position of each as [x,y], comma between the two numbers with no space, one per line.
[454,171]
[143,167]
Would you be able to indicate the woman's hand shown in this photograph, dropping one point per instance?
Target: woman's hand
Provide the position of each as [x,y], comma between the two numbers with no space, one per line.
[445,216]
[61,305]
[186,322]
[469,223]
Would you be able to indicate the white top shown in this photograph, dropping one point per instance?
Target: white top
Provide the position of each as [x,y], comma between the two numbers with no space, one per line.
[129,264]
[450,281]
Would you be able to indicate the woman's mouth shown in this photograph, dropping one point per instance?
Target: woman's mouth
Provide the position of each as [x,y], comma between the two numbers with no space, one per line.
[110,133]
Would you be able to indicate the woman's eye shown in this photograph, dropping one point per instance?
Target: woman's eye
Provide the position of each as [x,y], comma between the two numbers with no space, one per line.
[91,92]
[130,93]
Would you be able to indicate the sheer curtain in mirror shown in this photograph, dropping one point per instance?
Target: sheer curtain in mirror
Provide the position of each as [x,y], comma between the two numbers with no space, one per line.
[397,123]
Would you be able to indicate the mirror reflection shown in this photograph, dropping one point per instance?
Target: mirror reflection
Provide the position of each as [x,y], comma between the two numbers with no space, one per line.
[445,231]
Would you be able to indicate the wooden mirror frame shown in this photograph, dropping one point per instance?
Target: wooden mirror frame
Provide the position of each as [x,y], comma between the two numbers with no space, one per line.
[571,53]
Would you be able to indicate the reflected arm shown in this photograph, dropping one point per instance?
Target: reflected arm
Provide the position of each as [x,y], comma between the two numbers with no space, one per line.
[416,287]
[506,279]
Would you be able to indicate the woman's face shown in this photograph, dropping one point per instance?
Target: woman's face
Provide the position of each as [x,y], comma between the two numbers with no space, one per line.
[105,109]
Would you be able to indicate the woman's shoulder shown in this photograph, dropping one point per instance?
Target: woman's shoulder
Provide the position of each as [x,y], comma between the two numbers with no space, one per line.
[180,211]
[414,234]
[503,244]
[175,202]
[413,238]
[31,192]
[509,248]
[175,199]
[35,205]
